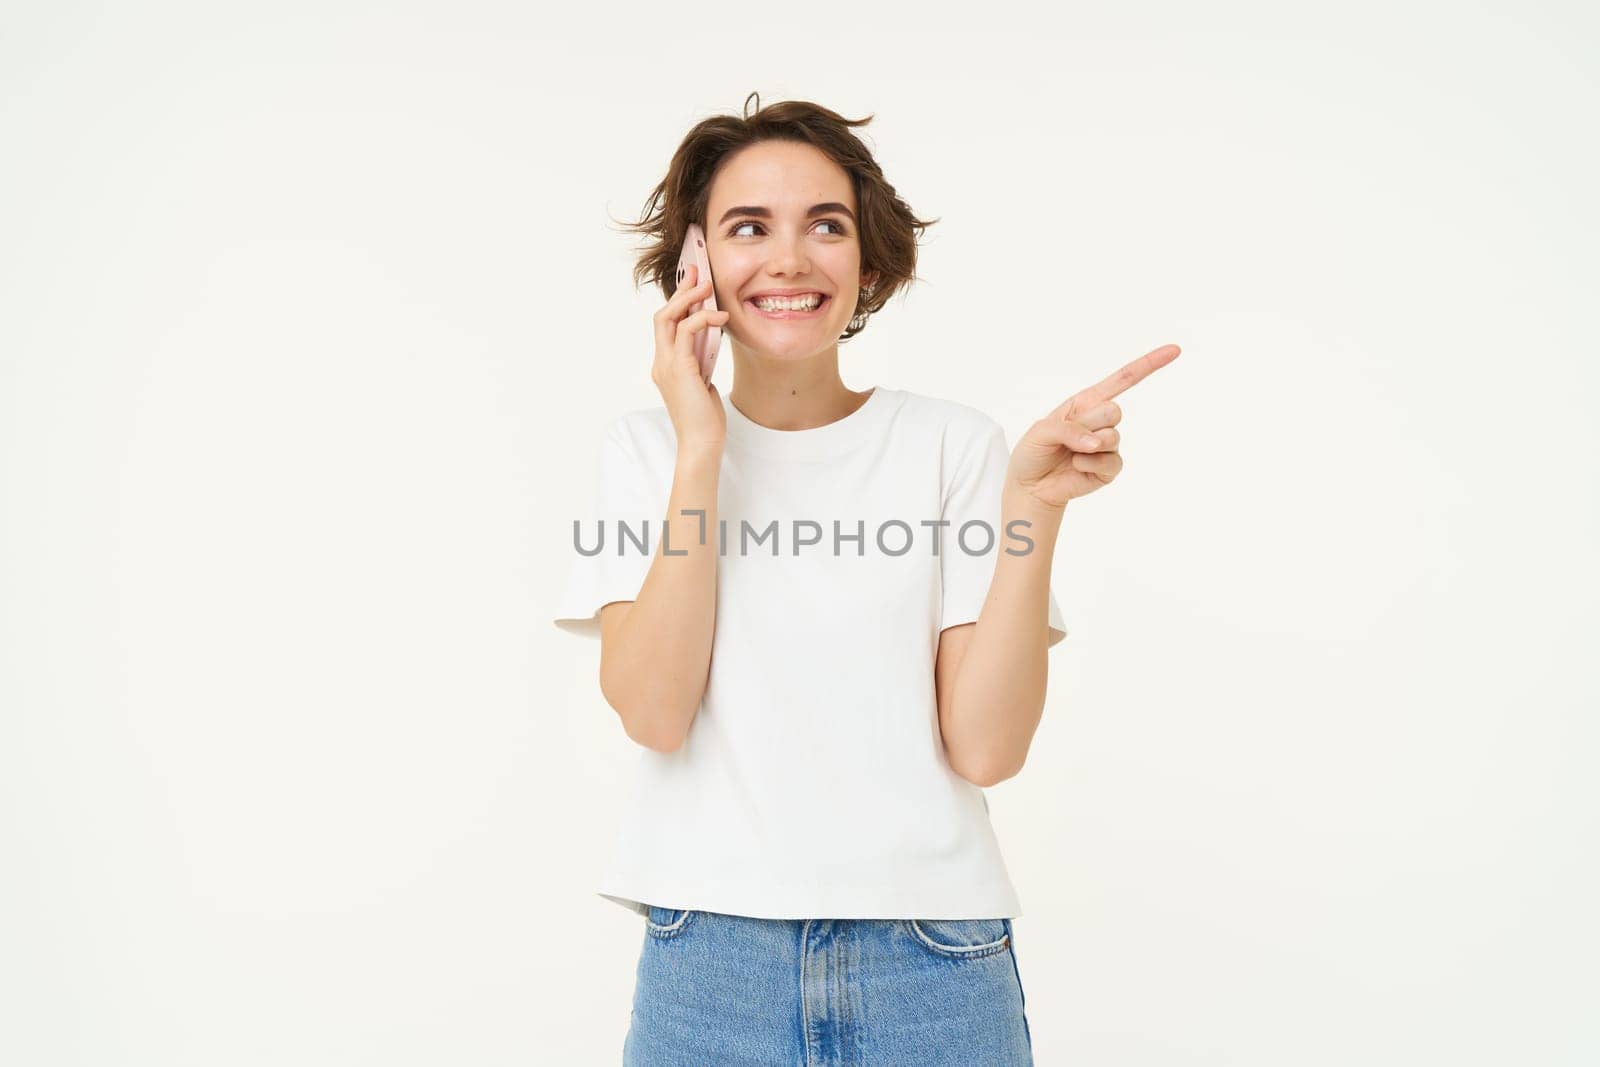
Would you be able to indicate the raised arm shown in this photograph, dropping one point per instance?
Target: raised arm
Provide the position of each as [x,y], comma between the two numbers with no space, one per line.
[655,650]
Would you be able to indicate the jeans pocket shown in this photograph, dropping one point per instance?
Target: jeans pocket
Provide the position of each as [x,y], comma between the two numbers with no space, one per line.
[963,939]
[667,922]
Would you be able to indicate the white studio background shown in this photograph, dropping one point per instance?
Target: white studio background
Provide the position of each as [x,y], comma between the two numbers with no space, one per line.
[310,319]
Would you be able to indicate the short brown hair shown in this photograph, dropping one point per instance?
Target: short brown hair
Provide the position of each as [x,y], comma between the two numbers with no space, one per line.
[888,230]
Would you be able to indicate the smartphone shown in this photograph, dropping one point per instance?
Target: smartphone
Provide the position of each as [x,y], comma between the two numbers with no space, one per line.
[708,340]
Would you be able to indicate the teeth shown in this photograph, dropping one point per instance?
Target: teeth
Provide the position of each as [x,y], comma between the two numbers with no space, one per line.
[803,303]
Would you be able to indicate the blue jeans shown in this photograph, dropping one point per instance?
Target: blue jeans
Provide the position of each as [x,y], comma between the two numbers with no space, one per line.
[732,990]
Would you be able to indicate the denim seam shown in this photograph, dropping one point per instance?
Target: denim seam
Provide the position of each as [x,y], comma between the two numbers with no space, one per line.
[805,1008]
[1027,1031]
[844,990]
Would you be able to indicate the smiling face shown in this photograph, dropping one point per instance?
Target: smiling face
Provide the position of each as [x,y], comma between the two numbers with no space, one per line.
[781,216]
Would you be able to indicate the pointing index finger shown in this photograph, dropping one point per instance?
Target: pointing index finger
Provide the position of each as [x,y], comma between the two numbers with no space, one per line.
[1131,375]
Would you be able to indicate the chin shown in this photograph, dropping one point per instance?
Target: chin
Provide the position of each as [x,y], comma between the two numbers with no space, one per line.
[797,348]
[793,354]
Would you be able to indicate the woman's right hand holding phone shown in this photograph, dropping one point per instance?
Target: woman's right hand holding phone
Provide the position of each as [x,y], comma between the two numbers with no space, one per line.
[693,403]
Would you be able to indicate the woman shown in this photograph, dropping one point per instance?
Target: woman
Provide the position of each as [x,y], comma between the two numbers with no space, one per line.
[826,654]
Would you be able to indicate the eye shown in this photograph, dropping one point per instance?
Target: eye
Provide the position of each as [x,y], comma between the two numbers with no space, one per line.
[835,223]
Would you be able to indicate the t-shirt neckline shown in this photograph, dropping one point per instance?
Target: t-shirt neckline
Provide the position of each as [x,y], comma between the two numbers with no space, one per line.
[819,442]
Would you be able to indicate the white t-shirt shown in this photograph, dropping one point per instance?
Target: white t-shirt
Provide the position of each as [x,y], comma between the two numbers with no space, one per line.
[813,782]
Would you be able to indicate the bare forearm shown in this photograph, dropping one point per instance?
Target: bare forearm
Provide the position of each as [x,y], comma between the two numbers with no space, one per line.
[998,696]
[655,670]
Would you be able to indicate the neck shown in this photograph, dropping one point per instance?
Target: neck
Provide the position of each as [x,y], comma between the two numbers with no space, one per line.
[792,394]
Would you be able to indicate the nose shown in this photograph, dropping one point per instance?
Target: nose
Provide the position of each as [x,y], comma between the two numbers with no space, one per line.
[788,256]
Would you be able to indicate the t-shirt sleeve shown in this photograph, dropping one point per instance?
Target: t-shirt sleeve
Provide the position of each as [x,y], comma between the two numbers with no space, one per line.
[623,495]
[975,493]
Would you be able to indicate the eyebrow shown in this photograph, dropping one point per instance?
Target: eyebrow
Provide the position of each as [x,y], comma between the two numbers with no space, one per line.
[765,213]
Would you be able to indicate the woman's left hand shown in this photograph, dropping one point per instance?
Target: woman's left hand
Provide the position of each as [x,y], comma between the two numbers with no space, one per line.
[1073,450]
